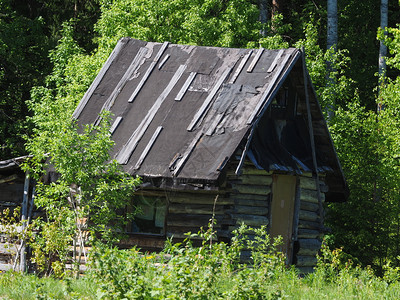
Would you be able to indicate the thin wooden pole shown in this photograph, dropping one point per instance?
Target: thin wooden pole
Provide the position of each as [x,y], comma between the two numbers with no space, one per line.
[24,219]
[311,133]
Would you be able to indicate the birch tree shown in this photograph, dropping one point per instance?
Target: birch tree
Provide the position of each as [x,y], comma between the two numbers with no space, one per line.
[331,45]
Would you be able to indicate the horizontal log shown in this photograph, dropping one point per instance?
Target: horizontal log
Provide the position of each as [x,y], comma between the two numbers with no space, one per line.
[308,183]
[253,203]
[9,178]
[305,270]
[308,215]
[244,209]
[252,179]
[311,196]
[308,234]
[197,209]
[237,197]
[304,205]
[247,170]
[191,220]
[193,198]
[9,249]
[143,241]
[309,225]
[311,244]
[251,189]
[250,220]
[5,267]
[306,261]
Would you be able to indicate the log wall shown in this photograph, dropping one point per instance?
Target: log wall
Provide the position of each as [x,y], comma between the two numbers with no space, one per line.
[310,233]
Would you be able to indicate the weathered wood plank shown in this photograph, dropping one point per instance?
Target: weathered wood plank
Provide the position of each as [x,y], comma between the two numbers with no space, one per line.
[309,206]
[115,124]
[309,234]
[252,203]
[187,152]
[308,215]
[193,198]
[310,196]
[311,244]
[271,86]
[255,60]
[185,86]
[163,61]
[244,197]
[251,189]
[260,179]
[309,183]
[248,170]
[125,153]
[309,225]
[98,78]
[275,62]
[208,100]
[240,67]
[148,147]
[148,71]
[250,220]
[191,220]
[306,261]
[251,210]
[197,209]
[9,178]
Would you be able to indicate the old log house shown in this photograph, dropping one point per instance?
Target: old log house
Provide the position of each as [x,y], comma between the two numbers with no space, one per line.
[200,122]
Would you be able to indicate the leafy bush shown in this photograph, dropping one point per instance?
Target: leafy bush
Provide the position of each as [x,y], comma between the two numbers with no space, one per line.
[181,271]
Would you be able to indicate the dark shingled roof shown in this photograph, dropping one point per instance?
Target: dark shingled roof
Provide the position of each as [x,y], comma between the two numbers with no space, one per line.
[182,111]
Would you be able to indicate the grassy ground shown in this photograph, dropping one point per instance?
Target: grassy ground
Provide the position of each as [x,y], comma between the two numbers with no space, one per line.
[286,286]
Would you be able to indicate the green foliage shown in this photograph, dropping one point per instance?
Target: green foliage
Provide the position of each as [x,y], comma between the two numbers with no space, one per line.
[198,22]
[23,60]
[182,271]
[90,191]
[333,87]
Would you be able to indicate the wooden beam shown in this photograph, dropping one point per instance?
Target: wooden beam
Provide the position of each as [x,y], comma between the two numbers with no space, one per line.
[255,60]
[208,100]
[240,67]
[148,147]
[275,62]
[268,91]
[187,152]
[185,86]
[98,79]
[148,72]
[125,153]
[115,124]
[311,133]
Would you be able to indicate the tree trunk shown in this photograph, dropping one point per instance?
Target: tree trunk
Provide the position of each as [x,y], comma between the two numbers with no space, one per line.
[277,7]
[263,6]
[382,47]
[332,34]
[331,43]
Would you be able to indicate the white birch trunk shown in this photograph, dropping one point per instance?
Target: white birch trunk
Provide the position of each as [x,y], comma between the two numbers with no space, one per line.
[332,34]
[263,6]
[382,47]
[331,43]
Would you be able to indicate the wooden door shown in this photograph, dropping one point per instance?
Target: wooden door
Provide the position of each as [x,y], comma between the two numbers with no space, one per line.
[282,211]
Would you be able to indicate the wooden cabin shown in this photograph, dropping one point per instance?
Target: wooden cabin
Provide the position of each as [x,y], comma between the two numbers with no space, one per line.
[16,190]
[237,133]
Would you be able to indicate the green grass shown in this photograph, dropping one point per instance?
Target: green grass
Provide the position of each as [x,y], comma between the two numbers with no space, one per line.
[17,286]
[284,285]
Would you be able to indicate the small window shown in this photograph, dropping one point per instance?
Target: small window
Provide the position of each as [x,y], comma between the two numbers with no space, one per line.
[150,217]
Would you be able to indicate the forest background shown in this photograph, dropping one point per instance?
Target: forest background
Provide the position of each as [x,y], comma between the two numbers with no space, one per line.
[50,52]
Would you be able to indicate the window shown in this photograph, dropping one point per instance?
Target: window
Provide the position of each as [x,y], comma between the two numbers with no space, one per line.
[150,217]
